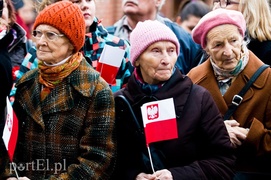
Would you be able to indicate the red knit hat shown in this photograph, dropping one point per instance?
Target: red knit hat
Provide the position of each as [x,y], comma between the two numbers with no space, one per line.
[216,18]
[148,32]
[67,18]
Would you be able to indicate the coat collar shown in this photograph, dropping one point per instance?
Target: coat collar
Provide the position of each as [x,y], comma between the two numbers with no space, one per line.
[178,87]
[204,76]
[61,98]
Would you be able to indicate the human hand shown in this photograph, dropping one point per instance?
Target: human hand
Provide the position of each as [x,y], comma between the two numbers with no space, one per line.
[144,176]
[235,132]
[163,174]
[232,122]
[20,178]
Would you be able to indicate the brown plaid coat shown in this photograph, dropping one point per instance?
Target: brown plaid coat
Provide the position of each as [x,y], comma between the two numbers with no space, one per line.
[69,135]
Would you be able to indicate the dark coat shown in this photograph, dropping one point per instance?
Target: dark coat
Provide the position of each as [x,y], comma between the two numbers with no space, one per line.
[202,150]
[261,49]
[6,77]
[5,87]
[254,112]
[18,48]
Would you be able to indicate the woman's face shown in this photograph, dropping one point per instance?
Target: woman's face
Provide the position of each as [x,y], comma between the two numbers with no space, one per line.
[52,51]
[224,44]
[156,63]
[88,9]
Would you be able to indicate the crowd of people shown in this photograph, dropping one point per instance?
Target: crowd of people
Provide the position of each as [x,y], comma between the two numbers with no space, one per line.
[79,91]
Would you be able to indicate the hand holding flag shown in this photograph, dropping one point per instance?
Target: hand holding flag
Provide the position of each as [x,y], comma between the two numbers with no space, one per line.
[159,121]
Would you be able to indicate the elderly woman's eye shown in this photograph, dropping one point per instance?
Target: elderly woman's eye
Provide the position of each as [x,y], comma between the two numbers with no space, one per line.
[155,50]
[171,50]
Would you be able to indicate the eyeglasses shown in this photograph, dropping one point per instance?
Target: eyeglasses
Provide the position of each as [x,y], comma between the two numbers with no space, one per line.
[225,3]
[50,36]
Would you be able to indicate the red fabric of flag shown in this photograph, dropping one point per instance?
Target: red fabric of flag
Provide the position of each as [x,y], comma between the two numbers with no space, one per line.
[159,120]
[109,63]
[10,133]
[161,131]
[108,72]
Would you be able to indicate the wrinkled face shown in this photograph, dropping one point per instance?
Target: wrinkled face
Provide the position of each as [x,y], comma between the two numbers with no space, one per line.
[88,8]
[190,23]
[157,62]
[224,46]
[140,7]
[52,51]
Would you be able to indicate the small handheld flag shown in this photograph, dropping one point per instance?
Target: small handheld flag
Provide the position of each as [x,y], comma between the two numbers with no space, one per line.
[159,120]
[10,133]
[110,62]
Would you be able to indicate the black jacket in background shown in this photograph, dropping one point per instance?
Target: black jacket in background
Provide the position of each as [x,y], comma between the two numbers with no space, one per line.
[5,77]
[202,149]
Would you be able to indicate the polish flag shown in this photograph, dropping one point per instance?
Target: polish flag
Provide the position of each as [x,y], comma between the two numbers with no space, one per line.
[10,133]
[159,120]
[110,62]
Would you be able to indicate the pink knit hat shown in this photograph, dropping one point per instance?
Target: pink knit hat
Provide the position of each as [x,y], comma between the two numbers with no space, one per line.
[215,18]
[148,32]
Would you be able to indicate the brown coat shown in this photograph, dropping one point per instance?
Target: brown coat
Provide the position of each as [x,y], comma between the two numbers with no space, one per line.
[72,127]
[254,112]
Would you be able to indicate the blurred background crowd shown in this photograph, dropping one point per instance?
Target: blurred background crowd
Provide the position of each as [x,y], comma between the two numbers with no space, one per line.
[109,11]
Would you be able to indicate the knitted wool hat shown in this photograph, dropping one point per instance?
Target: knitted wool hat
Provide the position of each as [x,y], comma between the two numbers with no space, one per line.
[148,32]
[67,18]
[216,18]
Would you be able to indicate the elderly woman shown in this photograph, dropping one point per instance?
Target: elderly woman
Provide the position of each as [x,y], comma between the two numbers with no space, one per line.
[202,148]
[65,109]
[96,38]
[228,69]
[257,14]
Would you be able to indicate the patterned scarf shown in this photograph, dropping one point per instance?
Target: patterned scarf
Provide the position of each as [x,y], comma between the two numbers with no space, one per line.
[50,76]
[222,74]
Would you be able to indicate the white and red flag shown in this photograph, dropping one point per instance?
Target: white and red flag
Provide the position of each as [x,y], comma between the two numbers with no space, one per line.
[10,133]
[109,63]
[159,120]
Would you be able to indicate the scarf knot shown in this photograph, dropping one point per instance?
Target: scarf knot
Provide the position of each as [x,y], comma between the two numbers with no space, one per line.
[50,76]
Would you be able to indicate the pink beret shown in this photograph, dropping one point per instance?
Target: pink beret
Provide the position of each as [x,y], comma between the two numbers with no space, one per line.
[215,18]
[148,32]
